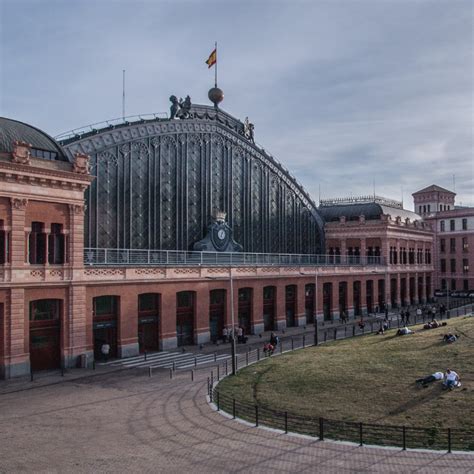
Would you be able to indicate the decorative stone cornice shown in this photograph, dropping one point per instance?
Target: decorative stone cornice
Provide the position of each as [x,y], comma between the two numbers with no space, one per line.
[78,209]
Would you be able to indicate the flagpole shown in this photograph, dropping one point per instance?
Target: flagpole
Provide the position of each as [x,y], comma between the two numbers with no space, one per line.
[215,72]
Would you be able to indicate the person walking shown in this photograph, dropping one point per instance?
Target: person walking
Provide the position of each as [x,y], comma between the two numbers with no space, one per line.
[225,334]
[105,351]
[407,317]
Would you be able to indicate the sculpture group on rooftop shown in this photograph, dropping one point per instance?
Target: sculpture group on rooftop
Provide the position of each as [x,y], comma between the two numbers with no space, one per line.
[248,130]
[180,108]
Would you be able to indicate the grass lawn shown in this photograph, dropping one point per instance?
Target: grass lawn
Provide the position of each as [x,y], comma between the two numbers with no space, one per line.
[369,379]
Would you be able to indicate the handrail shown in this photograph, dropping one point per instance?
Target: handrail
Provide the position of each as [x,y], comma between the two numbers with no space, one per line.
[127,257]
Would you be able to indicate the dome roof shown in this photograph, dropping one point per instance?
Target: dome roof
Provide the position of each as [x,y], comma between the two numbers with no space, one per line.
[42,145]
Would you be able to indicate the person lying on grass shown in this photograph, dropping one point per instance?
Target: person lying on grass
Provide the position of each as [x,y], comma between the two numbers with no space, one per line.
[425,381]
[450,337]
[404,331]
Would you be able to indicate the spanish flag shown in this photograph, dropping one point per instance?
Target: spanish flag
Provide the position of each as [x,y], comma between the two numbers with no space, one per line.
[212,59]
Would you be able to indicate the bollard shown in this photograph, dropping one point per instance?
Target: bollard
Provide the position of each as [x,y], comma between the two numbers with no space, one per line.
[304,342]
[233,408]
[404,438]
[335,333]
[256,415]
[218,373]
[361,440]
[192,375]
[226,368]
[292,344]
[149,371]
[195,362]
[171,373]
[353,331]
[286,422]
[449,440]
[321,429]
[258,353]
[218,404]
[247,358]
[174,365]
[144,354]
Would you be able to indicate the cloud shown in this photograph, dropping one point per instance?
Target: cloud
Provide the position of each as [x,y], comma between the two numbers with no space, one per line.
[343,93]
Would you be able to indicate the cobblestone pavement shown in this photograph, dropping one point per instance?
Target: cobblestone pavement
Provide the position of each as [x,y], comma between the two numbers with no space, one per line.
[129,422]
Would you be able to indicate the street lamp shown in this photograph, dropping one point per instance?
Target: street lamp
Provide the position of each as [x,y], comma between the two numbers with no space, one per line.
[232,339]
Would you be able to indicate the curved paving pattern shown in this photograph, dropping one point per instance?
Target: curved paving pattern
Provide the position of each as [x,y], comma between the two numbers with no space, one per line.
[128,422]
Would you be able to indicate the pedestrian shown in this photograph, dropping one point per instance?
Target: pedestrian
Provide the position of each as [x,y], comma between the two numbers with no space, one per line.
[407,317]
[344,317]
[240,334]
[273,339]
[402,317]
[225,334]
[105,351]
[418,313]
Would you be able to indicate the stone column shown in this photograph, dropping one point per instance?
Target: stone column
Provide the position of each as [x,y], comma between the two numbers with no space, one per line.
[18,239]
[363,296]
[202,332]
[75,241]
[79,329]
[128,325]
[417,296]
[168,339]
[300,304]
[280,306]
[319,299]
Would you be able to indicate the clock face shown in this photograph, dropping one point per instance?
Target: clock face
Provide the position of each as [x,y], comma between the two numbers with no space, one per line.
[221,234]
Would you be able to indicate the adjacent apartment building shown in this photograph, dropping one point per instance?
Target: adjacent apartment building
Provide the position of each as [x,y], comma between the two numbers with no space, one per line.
[453,228]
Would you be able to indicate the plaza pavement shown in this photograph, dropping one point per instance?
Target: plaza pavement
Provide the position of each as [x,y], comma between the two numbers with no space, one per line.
[126,421]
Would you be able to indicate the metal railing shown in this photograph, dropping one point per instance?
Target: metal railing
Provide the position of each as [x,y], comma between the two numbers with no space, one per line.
[96,256]
[362,433]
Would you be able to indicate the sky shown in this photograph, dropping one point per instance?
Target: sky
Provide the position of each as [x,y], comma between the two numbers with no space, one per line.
[349,95]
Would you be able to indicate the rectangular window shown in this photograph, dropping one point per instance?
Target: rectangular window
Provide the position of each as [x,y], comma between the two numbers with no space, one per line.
[465,245]
[105,305]
[37,244]
[465,265]
[44,310]
[441,226]
[443,265]
[453,265]
[452,225]
[148,302]
[452,245]
[442,245]
[56,245]
[464,224]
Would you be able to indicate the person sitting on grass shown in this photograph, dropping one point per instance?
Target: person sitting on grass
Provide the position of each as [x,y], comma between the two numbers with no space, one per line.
[425,381]
[452,380]
[450,337]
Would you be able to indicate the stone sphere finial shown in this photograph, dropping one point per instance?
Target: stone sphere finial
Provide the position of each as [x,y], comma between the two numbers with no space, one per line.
[215,95]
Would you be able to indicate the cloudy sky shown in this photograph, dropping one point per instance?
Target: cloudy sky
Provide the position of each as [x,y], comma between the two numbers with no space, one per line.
[345,93]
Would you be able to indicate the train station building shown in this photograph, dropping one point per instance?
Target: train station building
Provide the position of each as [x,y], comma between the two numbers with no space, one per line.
[150,233]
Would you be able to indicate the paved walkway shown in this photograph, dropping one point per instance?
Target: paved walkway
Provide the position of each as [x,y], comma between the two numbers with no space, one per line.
[129,422]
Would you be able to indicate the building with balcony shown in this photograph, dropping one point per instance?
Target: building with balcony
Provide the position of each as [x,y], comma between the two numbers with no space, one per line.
[135,232]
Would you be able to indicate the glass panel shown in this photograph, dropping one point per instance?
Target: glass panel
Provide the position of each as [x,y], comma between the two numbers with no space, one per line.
[104,305]
[44,310]
[148,302]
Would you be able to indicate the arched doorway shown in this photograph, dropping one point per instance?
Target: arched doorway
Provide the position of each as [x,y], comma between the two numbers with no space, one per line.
[269,296]
[327,301]
[290,305]
[45,334]
[185,301]
[217,301]
[105,315]
[148,321]
[245,308]
[309,303]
